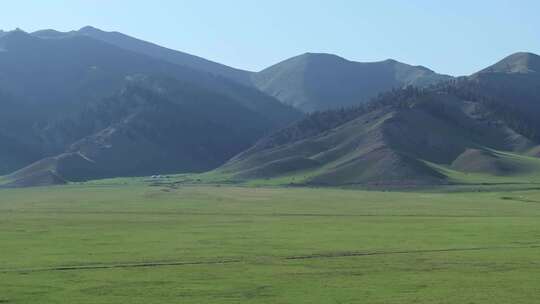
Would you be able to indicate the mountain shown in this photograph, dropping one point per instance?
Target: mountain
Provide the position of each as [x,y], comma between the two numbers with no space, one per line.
[58,92]
[80,68]
[515,80]
[59,75]
[518,63]
[153,50]
[308,82]
[313,82]
[77,68]
[485,124]
[151,126]
[90,104]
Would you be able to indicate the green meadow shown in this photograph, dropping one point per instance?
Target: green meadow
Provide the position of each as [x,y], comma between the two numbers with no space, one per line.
[130,242]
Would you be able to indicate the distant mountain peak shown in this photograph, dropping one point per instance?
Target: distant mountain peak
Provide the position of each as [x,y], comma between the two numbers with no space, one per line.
[153,50]
[49,33]
[315,54]
[322,58]
[521,62]
[62,93]
[89,28]
[16,31]
[14,37]
[320,81]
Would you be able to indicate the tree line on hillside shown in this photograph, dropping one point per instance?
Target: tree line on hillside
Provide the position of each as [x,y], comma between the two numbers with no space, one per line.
[496,107]
[501,106]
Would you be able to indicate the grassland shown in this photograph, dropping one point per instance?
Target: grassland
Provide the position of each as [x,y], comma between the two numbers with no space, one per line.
[503,169]
[122,241]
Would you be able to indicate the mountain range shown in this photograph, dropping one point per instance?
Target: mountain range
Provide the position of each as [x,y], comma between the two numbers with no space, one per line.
[484,124]
[309,82]
[90,104]
[152,50]
[62,91]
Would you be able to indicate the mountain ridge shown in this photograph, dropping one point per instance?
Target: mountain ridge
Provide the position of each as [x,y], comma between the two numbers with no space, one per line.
[320,81]
[44,83]
[153,50]
[406,137]
[150,127]
[299,91]
[75,108]
[519,62]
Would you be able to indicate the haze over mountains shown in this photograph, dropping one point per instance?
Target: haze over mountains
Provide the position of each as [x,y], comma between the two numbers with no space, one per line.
[309,82]
[91,104]
[413,136]
[139,46]
[313,82]
[71,89]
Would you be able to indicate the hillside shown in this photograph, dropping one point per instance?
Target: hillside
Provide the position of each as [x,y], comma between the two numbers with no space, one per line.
[75,69]
[77,107]
[153,126]
[153,50]
[308,82]
[514,80]
[407,137]
[48,87]
[313,82]
[520,63]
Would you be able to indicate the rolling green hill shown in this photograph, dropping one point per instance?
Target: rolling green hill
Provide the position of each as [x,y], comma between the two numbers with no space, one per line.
[408,137]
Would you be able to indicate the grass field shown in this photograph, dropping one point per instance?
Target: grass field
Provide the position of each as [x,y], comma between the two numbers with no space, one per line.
[131,243]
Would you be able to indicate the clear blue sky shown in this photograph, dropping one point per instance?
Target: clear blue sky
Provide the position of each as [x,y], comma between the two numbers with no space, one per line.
[452,36]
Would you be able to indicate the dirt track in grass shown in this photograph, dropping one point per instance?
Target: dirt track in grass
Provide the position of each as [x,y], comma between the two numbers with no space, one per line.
[240,260]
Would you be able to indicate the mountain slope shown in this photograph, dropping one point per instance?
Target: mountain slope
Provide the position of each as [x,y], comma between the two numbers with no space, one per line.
[74,69]
[309,82]
[514,80]
[153,50]
[521,62]
[314,82]
[152,126]
[46,82]
[403,138]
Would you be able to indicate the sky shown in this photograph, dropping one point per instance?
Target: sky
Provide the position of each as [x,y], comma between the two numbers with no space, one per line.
[454,37]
